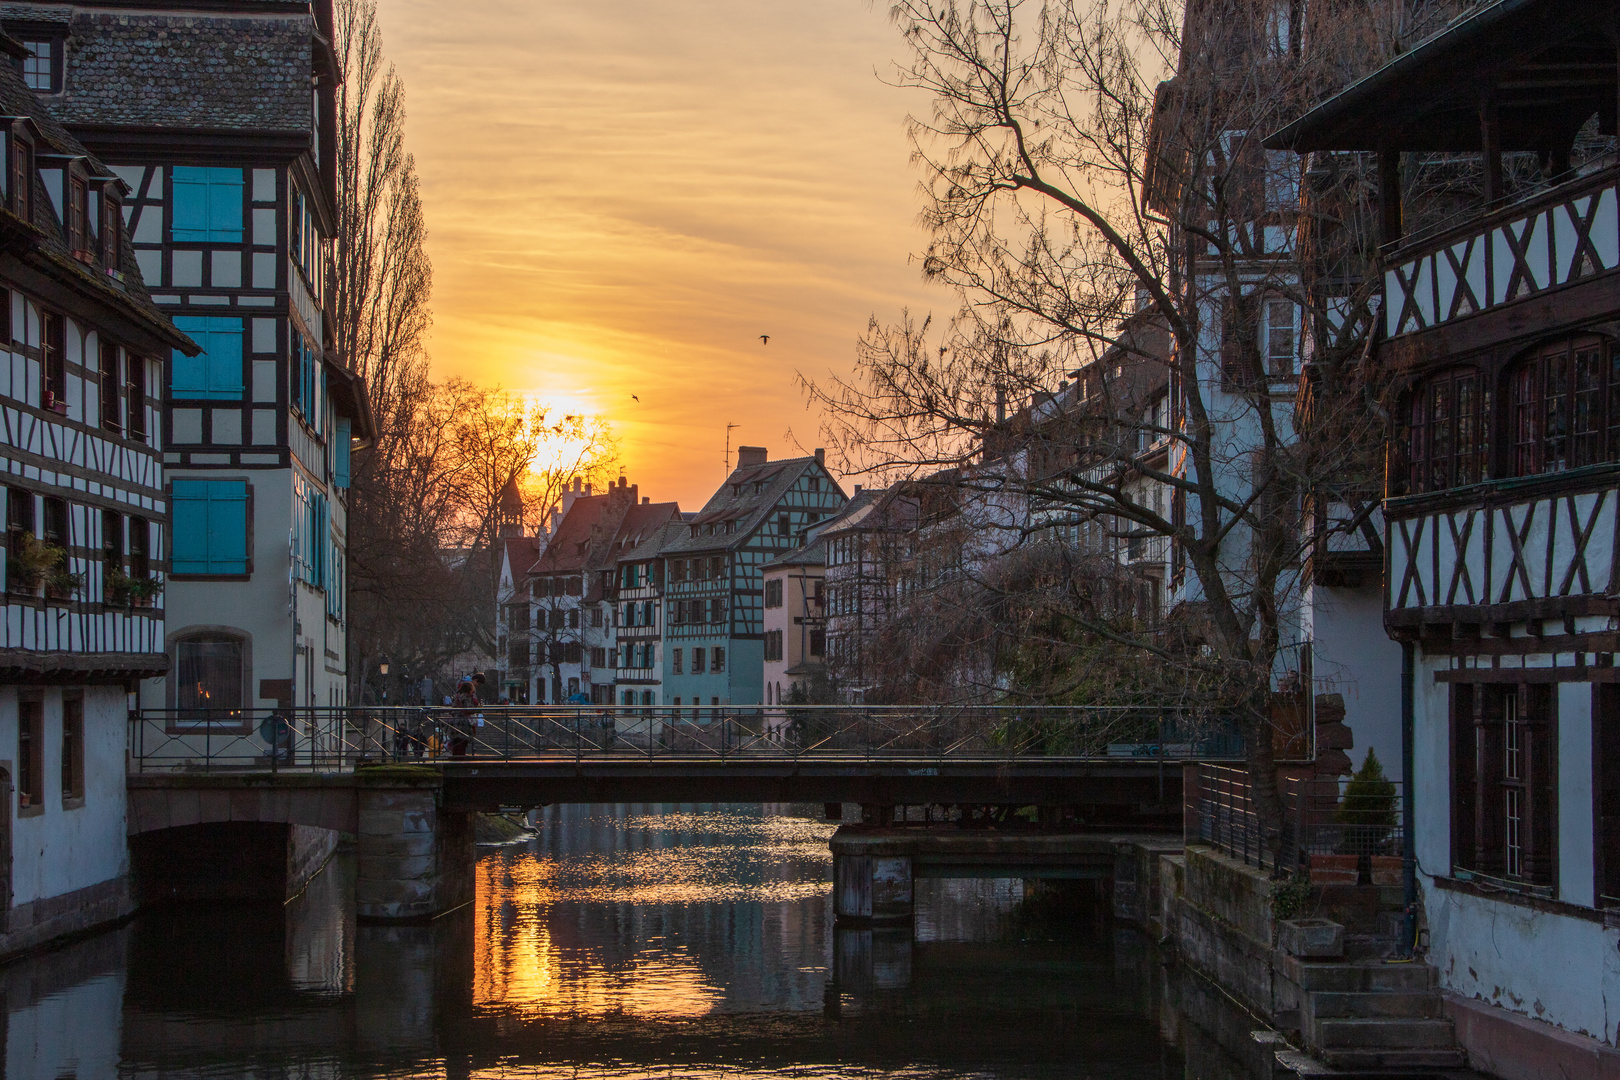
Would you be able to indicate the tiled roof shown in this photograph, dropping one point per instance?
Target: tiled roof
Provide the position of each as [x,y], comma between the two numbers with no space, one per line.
[141,68]
[641,535]
[745,510]
[655,543]
[46,235]
[813,553]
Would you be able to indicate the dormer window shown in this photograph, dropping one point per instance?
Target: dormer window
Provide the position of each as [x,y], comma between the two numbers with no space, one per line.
[736,489]
[42,71]
[78,218]
[22,174]
[112,230]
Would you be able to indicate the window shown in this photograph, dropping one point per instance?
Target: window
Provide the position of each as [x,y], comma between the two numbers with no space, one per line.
[782,524]
[30,755]
[596,618]
[140,548]
[573,619]
[112,553]
[1445,443]
[210,526]
[719,660]
[78,218]
[571,652]
[717,567]
[215,374]
[675,661]
[53,361]
[598,656]
[208,673]
[1504,755]
[815,483]
[818,643]
[699,656]
[773,593]
[647,610]
[42,71]
[309,539]
[111,411]
[112,230]
[207,205]
[22,177]
[773,645]
[72,751]
[717,610]
[647,655]
[19,531]
[135,397]
[306,362]
[342,448]
[1564,407]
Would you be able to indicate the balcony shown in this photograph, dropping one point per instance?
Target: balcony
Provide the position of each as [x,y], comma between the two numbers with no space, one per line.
[1504,551]
[1529,247]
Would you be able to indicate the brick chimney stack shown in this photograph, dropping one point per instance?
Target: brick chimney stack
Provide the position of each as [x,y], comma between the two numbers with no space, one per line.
[751,455]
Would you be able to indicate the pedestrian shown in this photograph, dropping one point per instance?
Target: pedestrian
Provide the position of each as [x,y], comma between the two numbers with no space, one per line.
[464,704]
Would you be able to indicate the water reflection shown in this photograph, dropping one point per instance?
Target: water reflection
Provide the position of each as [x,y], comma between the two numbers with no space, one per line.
[624,942]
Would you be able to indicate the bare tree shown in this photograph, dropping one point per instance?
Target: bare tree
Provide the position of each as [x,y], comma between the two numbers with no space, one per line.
[1088,167]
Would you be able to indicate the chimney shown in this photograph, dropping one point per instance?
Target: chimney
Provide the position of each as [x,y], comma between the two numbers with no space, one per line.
[857,489]
[646,500]
[587,490]
[751,455]
[1001,405]
[821,456]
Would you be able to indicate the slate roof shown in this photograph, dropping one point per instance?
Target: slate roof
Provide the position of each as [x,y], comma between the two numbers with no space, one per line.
[745,511]
[575,546]
[184,69]
[645,530]
[521,552]
[813,553]
[43,241]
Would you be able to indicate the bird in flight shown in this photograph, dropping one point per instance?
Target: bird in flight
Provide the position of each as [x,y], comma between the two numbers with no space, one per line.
[765,338]
[634,398]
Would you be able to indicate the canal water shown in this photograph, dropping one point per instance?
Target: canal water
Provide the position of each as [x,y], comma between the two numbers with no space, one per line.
[627,941]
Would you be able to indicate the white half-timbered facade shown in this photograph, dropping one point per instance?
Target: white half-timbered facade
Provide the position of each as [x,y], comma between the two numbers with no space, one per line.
[229,170]
[86,514]
[1502,334]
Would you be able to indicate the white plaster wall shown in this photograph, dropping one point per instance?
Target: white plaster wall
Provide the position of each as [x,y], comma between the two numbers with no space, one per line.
[1353,656]
[1576,835]
[60,850]
[72,1033]
[1431,766]
[1561,970]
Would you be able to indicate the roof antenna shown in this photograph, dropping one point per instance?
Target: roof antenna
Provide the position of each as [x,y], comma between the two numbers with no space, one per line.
[728,446]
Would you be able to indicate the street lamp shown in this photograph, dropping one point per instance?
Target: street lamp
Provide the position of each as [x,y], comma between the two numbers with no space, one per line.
[382,670]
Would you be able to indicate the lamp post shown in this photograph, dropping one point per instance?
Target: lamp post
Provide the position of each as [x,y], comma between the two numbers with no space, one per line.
[382,669]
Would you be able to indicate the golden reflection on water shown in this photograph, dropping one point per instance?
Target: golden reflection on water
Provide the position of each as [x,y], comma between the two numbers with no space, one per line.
[528,895]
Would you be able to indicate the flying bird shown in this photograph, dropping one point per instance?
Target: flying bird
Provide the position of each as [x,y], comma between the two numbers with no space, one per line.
[634,398]
[765,338]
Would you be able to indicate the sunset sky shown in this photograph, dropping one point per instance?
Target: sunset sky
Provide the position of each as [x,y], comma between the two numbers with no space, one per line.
[622,196]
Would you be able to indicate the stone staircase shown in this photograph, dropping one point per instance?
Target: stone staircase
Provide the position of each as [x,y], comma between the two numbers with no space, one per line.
[1372,1016]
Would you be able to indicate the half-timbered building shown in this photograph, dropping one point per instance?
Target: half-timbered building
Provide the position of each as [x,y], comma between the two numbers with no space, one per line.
[219,116]
[85,513]
[714,630]
[795,625]
[638,602]
[1501,330]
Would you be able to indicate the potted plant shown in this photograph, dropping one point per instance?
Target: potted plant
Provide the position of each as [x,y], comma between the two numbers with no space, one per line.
[31,563]
[130,590]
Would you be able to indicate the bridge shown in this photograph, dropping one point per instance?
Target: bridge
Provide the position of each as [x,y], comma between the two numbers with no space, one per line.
[206,787]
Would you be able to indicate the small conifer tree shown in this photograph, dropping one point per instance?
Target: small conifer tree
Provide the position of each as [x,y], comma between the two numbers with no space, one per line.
[1367,810]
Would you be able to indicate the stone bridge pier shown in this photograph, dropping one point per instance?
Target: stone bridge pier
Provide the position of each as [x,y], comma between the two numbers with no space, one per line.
[224,836]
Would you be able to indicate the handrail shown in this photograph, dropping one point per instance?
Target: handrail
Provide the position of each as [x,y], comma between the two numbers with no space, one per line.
[334,739]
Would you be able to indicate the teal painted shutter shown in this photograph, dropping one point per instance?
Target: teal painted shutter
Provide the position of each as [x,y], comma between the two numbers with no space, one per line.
[210,526]
[340,452]
[215,374]
[188,503]
[207,205]
[189,214]
[225,205]
[227,527]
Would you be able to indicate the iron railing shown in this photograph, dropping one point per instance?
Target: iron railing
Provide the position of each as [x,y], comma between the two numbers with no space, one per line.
[1320,817]
[331,739]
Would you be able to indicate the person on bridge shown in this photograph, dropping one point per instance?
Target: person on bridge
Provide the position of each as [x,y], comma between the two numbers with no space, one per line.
[465,705]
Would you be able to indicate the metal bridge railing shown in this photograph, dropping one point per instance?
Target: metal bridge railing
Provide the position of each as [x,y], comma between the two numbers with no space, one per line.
[1320,816]
[334,739]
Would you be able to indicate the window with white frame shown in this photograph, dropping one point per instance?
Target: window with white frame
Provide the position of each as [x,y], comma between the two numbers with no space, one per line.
[1279,333]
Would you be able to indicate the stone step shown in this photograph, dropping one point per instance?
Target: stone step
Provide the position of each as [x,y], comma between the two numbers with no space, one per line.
[1404,1063]
[1383,1034]
[1362,978]
[1399,1004]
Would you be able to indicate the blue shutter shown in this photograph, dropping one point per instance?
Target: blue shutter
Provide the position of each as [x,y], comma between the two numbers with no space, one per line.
[340,452]
[210,526]
[227,527]
[188,504]
[207,205]
[215,374]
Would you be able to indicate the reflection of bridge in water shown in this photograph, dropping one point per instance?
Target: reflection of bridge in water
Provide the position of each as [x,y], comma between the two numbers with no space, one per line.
[406,780]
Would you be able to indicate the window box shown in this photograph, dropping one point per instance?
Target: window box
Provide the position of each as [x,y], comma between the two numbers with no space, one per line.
[131,591]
